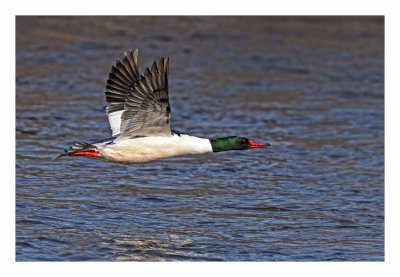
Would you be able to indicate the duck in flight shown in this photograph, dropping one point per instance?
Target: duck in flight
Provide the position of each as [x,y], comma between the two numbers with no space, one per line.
[138,111]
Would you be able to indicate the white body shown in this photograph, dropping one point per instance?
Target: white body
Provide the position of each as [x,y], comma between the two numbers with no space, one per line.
[146,149]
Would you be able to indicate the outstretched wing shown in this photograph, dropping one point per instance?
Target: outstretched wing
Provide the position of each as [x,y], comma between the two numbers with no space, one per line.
[120,83]
[138,105]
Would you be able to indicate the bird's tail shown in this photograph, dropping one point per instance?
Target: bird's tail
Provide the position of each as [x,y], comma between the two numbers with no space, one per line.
[80,149]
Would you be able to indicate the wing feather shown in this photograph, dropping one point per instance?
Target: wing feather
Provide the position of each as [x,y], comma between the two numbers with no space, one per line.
[138,105]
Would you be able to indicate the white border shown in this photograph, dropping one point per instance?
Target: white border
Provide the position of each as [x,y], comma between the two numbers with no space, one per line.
[207,7]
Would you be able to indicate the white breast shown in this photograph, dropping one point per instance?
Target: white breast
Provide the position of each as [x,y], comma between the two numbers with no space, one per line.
[145,149]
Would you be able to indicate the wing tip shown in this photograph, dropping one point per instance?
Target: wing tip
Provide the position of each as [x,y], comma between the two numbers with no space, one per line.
[167,66]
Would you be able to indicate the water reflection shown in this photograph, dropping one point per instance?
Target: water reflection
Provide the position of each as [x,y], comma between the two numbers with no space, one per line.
[128,248]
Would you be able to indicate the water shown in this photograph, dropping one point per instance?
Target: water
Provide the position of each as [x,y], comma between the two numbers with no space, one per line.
[313,87]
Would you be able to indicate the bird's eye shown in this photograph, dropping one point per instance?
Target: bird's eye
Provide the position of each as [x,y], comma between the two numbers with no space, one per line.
[244,140]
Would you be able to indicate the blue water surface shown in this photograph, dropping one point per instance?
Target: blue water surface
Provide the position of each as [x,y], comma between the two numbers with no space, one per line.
[312,87]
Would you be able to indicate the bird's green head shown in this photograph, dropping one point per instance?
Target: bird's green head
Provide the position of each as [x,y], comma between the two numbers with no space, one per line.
[234,143]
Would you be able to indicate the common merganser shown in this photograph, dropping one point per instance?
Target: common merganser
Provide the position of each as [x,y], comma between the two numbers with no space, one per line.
[138,111]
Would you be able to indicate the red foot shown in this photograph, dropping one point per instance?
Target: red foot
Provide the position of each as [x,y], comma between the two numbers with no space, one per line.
[86,154]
